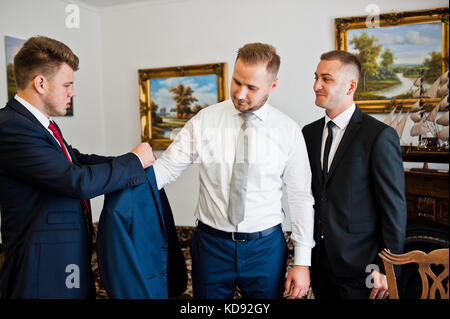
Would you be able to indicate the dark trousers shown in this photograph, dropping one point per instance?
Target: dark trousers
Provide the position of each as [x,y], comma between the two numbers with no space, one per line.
[256,266]
[326,285]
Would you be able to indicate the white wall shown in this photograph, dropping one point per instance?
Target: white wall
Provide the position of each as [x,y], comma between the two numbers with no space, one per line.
[205,31]
[114,43]
[26,18]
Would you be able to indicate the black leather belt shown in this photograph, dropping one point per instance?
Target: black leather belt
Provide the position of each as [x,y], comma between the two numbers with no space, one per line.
[235,236]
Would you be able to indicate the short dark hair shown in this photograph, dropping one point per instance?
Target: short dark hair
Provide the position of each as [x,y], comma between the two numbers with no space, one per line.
[343,56]
[253,53]
[41,55]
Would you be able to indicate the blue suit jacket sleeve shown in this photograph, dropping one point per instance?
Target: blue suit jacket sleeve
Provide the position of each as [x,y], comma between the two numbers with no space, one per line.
[90,159]
[29,153]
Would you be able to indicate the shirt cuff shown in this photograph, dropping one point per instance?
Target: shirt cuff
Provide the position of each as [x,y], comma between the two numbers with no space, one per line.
[302,256]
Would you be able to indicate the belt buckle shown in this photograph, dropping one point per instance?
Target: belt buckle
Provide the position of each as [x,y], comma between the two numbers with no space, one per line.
[236,240]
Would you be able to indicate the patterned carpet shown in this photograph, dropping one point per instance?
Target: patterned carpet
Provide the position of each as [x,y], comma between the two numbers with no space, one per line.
[184,236]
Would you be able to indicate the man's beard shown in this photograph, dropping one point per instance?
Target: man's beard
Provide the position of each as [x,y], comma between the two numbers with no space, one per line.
[253,107]
[52,110]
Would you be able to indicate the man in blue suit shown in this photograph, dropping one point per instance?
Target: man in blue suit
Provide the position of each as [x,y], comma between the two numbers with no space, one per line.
[45,184]
[137,246]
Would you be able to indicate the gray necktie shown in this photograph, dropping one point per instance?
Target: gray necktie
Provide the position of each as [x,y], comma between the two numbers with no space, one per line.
[239,177]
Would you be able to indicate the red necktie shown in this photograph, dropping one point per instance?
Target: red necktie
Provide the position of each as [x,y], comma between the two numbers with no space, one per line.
[87,211]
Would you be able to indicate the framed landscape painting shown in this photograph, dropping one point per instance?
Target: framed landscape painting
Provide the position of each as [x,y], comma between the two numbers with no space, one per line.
[12,46]
[170,96]
[402,48]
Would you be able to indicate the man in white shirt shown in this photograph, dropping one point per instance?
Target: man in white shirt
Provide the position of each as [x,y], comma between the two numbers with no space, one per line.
[358,186]
[247,150]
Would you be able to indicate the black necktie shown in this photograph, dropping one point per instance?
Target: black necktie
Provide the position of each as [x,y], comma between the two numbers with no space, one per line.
[326,151]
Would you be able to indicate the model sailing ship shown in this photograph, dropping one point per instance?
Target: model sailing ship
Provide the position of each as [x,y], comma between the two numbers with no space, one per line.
[431,129]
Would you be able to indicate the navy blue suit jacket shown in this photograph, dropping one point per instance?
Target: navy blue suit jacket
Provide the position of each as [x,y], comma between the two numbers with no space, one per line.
[44,231]
[137,246]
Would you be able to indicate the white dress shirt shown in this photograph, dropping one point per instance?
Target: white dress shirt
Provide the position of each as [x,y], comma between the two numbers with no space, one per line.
[44,120]
[341,122]
[277,157]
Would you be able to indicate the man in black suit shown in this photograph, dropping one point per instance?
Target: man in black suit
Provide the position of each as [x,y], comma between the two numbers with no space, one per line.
[45,184]
[358,186]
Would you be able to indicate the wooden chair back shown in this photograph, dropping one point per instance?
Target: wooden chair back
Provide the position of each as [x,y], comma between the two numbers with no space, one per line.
[436,257]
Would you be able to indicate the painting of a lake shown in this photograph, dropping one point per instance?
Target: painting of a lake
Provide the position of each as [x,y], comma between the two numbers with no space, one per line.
[175,100]
[393,57]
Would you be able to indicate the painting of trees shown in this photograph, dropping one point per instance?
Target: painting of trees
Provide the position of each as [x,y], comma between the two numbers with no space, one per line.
[393,57]
[368,52]
[183,96]
[12,46]
[387,59]
[175,100]
[10,80]
[433,66]
[172,96]
[154,108]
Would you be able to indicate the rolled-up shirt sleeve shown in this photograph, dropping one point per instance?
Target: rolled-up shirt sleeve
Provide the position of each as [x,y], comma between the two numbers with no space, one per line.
[297,182]
[178,156]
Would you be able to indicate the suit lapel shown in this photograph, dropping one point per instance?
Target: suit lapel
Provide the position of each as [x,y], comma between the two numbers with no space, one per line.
[317,145]
[19,108]
[349,135]
[69,149]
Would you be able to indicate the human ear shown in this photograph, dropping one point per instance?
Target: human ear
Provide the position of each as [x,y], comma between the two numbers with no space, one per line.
[353,87]
[40,83]
[274,84]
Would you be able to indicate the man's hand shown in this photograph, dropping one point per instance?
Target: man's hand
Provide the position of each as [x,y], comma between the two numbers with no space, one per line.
[298,276]
[145,154]
[380,286]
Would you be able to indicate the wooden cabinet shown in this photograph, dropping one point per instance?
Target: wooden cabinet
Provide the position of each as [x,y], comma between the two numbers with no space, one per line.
[427,194]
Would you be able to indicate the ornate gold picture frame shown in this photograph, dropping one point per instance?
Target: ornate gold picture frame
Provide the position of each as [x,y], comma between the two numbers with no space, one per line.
[169,97]
[419,28]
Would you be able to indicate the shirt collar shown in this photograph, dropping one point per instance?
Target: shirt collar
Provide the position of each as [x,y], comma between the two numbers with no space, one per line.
[44,120]
[342,119]
[260,113]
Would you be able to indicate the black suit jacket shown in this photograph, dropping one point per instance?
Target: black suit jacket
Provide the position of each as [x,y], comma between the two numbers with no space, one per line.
[44,232]
[361,207]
